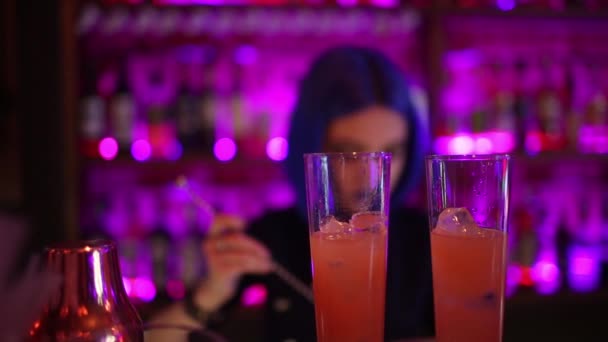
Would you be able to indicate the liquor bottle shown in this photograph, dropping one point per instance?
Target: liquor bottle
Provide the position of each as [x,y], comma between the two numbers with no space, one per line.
[479,119]
[122,114]
[187,120]
[92,121]
[207,107]
[573,107]
[190,258]
[161,132]
[596,115]
[160,244]
[504,99]
[521,105]
[549,109]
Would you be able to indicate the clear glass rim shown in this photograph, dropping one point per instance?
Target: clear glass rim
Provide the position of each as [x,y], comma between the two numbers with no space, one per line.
[378,154]
[469,157]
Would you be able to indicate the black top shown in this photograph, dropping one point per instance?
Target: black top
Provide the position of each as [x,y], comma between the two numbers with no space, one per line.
[287,316]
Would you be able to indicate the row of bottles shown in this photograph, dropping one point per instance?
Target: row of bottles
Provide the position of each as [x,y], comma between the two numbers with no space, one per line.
[543,103]
[159,227]
[558,233]
[123,203]
[345,3]
[501,4]
[118,27]
[156,105]
[159,265]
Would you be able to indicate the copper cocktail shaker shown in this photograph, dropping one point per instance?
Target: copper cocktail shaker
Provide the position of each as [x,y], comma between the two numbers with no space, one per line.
[92,304]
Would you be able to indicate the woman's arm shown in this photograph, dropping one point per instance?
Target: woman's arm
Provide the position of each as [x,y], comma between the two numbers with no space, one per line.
[229,254]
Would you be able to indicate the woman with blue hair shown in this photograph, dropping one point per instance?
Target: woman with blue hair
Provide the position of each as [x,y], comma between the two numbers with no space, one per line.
[351,99]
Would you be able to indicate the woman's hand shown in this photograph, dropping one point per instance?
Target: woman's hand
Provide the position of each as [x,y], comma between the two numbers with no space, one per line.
[230,253]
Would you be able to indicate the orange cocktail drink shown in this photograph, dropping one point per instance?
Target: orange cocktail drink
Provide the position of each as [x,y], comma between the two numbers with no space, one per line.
[468,280]
[349,284]
[468,209]
[348,200]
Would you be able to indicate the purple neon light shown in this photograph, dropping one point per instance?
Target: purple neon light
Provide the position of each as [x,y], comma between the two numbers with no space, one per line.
[533,143]
[546,276]
[385,3]
[483,145]
[584,268]
[277,148]
[462,144]
[141,150]
[246,55]
[108,148]
[143,289]
[505,5]
[224,149]
[514,275]
[478,143]
[593,139]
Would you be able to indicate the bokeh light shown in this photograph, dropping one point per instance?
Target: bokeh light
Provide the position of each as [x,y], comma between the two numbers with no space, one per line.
[141,150]
[224,149]
[277,148]
[108,148]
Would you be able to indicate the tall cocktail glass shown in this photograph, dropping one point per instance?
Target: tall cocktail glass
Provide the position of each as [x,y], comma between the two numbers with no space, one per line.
[468,199]
[348,203]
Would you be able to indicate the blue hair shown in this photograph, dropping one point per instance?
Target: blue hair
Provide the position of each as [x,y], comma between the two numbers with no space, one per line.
[342,81]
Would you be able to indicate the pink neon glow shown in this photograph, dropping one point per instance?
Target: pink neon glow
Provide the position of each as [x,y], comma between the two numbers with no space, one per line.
[593,139]
[385,3]
[276,148]
[479,143]
[505,5]
[584,268]
[546,275]
[514,275]
[224,149]
[502,142]
[176,289]
[126,282]
[483,145]
[462,144]
[534,142]
[246,55]
[108,148]
[254,295]
[141,150]
[144,289]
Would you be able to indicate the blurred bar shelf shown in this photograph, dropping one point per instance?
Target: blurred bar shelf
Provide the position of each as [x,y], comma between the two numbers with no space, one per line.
[248,58]
[520,13]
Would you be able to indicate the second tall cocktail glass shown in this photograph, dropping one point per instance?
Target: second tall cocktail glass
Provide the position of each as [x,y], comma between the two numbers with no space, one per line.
[468,208]
[348,202]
